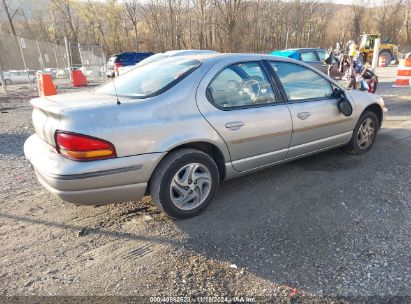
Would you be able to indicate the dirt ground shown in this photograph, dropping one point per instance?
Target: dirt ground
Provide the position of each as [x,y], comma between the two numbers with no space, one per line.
[327,226]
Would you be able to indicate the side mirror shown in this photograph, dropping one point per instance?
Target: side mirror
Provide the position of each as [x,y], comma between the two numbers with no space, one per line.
[344,105]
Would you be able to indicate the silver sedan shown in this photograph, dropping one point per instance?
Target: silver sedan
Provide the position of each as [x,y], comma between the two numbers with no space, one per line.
[175,128]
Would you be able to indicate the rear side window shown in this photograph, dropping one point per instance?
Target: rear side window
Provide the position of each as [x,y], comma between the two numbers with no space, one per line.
[300,82]
[321,54]
[241,85]
[308,56]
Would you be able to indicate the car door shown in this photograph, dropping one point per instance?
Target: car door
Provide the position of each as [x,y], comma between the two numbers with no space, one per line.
[317,121]
[241,104]
[14,77]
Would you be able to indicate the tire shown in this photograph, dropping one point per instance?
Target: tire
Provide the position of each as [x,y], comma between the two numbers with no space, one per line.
[361,143]
[387,55]
[7,82]
[173,180]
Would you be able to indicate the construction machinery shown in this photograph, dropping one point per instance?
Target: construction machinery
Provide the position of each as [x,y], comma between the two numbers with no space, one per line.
[387,50]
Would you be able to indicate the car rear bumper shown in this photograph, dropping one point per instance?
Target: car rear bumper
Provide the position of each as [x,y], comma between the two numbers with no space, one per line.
[110,73]
[92,182]
[384,113]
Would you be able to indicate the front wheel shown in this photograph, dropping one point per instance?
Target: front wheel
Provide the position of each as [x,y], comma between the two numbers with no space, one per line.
[184,183]
[364,134]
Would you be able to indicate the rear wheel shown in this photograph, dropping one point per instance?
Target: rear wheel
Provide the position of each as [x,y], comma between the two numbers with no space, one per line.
[184,183]
[7,81]
[364,134]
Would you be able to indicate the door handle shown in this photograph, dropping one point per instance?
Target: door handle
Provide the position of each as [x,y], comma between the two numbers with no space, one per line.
[234,125]
[303,115]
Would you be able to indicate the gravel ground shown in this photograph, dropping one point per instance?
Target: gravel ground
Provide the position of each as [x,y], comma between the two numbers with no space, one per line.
[327,226]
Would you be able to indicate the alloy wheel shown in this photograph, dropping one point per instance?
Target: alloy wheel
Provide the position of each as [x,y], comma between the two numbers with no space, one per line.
[190,186]
[366,133]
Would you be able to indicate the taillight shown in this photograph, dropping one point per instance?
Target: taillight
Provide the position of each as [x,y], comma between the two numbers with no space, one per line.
[82,147]
[116,66]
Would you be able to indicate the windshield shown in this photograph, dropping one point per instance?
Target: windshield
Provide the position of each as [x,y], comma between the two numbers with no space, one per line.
[150,79]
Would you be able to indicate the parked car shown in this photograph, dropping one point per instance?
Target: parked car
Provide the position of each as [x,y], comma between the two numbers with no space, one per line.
[175,134]
[124,59]
[312,56]
[92,71]
[159,56]
[65,73]
[61,73]
[19,77]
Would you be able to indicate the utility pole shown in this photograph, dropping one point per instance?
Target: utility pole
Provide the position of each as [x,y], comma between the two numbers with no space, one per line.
[81,55]
[376,53]
[3,82]
[24,60]
[68,57]
[40,56]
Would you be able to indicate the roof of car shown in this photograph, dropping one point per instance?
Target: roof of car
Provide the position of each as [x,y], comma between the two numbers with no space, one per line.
[217,56]
[304,49]
[188,52]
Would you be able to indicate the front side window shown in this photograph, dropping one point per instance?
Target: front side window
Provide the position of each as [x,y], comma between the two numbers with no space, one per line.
[150,79]
[308,56]
[300,82]
[239,85]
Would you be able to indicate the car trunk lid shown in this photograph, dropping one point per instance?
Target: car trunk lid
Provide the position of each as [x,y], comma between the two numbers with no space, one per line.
[48,111]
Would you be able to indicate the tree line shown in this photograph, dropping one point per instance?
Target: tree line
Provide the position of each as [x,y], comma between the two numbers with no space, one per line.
[222,25]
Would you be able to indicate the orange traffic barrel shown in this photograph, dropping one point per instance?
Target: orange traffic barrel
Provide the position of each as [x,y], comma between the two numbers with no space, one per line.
[403,74]
[45,85]
[78,79]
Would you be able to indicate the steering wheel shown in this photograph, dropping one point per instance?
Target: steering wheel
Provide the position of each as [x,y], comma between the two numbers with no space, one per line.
[253,88]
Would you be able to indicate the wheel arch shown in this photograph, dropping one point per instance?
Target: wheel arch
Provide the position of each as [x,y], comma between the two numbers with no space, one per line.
[376,108]
[210,149]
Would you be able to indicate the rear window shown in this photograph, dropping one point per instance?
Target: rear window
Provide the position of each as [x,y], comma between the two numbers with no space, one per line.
[150,79]
[124,57]
[140,57]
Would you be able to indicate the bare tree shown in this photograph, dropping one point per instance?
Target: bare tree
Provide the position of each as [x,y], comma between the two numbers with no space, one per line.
[10,13]
[230,10]
[132,12]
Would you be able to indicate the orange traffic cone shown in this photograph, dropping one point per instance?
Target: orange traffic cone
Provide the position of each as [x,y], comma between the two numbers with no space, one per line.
[382,62]
[45,85]
[78,79]
[403,74]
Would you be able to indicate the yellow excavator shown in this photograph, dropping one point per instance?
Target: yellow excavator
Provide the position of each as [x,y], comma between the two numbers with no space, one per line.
[387,50]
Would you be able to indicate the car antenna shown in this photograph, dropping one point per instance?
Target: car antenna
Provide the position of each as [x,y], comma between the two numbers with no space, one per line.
[115,91]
